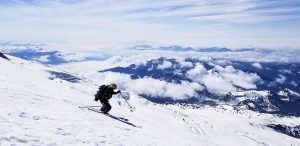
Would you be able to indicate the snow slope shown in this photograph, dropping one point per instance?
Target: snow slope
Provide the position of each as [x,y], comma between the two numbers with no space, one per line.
[38,111]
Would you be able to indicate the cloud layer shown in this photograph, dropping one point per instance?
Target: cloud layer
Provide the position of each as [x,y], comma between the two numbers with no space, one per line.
[221,80]
[218,81]
[152,87]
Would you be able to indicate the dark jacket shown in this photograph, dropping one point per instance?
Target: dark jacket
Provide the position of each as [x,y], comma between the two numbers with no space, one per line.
[107,94]
[3,56]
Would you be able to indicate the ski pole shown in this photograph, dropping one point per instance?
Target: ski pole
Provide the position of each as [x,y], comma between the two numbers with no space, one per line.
[128,104]
[131,108]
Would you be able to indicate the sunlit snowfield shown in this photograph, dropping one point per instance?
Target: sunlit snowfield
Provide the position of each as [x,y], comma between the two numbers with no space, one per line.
[39,111]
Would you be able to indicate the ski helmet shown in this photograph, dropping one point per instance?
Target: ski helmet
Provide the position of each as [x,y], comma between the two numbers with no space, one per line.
[113,85]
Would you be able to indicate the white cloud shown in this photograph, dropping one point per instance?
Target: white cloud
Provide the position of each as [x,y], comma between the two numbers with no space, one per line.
[197,73]
[217,85]
[165,65]
[151,87]
[294,83]
[238,77]
[257,65]
[137,59]
[157,88]
[213,82]
[285,71]
[222,80]
[183,63]
[222,62]
[281,79]
[44,59]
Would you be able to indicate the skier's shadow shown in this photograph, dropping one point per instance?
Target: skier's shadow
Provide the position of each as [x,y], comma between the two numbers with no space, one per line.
[121,119]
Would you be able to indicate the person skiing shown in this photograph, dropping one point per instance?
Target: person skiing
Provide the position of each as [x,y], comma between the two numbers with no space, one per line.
[104,94]
[3,56]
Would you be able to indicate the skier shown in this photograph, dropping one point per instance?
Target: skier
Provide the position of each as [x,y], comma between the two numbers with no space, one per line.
[3,56]
[104,94]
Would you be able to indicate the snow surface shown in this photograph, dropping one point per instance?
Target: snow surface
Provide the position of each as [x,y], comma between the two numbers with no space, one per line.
[38,111]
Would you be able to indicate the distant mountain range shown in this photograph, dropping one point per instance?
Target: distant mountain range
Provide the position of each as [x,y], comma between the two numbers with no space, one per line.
[211,49]
[36,52]
[47,57]
[53,57]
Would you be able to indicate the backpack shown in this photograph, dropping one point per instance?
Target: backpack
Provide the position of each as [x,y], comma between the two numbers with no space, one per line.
[100,93]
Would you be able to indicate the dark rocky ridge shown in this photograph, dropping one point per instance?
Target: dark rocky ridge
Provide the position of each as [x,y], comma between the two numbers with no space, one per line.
[291,131]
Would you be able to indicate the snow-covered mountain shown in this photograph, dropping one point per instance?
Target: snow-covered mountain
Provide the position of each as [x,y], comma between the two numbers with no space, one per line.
[40,107]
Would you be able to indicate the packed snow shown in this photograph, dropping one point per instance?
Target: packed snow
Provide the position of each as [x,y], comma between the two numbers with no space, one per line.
[36,110]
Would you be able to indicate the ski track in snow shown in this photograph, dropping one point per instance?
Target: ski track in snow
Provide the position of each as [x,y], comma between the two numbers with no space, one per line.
[251,137]
[188,121]
[39,111]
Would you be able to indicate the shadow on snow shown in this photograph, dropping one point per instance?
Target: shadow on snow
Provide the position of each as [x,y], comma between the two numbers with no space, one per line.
[120,119]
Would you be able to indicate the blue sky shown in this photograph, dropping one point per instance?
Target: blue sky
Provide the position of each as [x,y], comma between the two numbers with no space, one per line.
[98,23]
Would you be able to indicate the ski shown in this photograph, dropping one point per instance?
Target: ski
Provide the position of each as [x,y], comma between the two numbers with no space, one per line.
[88,106]
[120,119]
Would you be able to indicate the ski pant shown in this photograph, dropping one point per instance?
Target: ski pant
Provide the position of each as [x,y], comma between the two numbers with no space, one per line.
[106,107]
